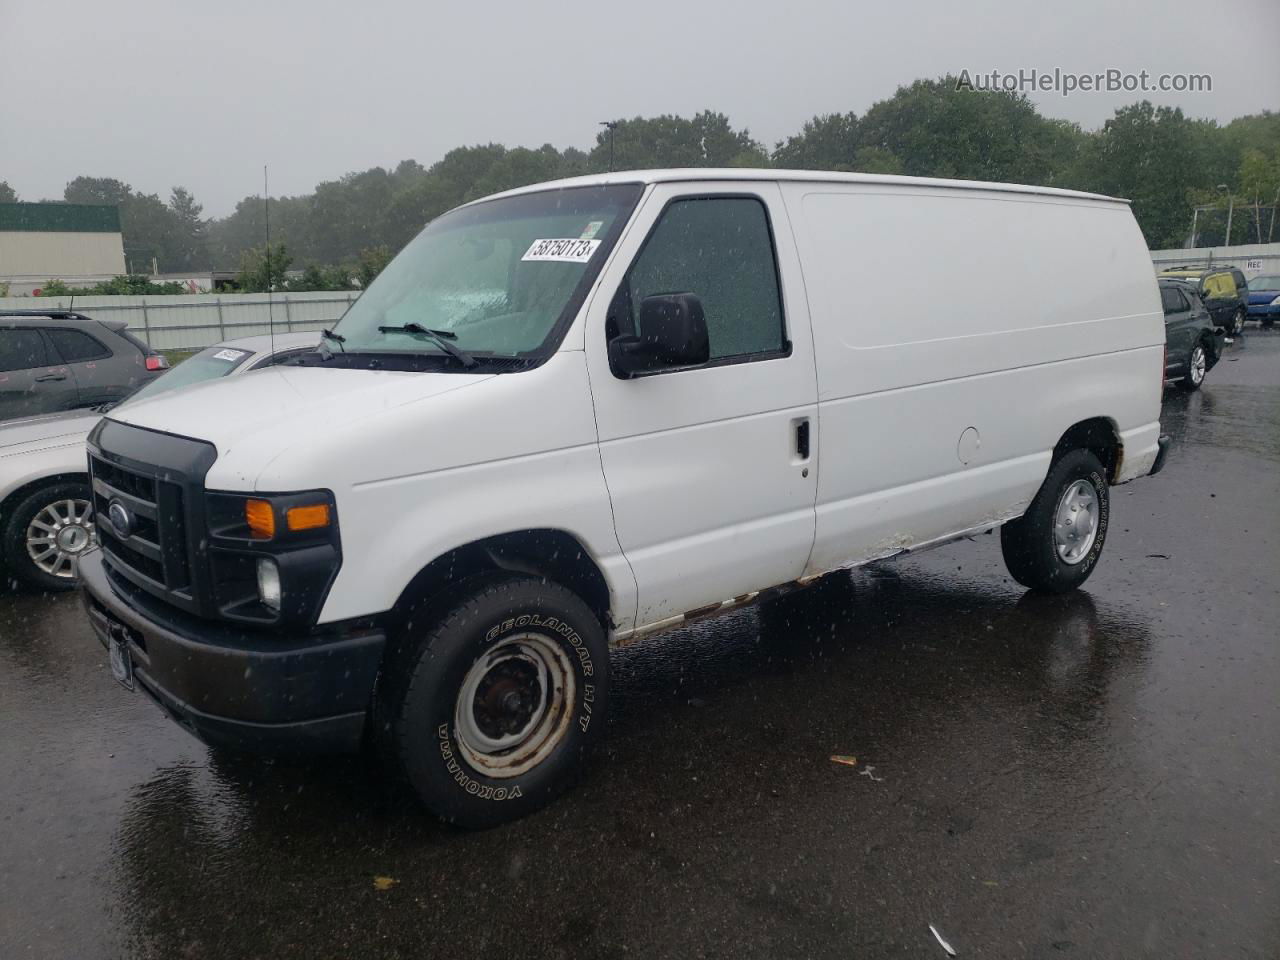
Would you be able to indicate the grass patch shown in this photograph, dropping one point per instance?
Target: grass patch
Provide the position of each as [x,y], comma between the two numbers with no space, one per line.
[175,357]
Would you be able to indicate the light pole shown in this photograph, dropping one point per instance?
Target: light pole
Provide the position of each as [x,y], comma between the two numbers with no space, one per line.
[611,125]
[1231,206]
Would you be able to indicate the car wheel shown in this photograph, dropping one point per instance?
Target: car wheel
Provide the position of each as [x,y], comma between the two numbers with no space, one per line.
[1054,546]
[46,532]
[1237,322]
[491,711]
[1197,366]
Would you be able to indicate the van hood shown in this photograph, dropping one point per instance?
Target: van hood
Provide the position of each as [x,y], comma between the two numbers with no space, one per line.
[234,409]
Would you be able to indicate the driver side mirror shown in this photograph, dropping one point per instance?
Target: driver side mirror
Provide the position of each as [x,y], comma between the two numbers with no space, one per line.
[672,333]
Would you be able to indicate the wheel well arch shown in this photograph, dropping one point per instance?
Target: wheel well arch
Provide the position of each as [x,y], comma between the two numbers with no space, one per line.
[1098,435]
[553,554]
[20,493]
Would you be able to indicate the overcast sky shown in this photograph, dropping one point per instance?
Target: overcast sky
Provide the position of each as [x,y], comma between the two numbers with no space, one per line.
[203,94]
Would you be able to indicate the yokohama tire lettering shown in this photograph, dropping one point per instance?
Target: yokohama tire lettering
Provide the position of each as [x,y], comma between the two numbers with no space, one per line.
[473,787]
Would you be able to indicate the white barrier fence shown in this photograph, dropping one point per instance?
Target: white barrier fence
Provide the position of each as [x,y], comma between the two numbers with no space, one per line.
[1252,258]
[192,321]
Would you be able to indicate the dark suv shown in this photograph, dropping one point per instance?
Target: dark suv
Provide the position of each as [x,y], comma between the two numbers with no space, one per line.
[57,360]
[1223,290]
[1193,342]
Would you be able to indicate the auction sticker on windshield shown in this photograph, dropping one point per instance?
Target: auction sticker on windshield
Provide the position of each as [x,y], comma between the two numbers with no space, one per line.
[563,251]
[232,355]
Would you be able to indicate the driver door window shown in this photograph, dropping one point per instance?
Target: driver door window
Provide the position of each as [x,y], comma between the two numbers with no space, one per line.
[721,249]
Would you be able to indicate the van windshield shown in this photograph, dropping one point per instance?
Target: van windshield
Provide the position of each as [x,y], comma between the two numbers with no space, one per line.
[500,279]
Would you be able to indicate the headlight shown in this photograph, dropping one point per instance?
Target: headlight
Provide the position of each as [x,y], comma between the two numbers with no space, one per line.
[1276,302]
[263,546]
[260,517]
[269,584]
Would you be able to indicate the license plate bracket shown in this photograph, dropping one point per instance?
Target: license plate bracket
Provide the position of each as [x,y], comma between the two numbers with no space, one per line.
[121,659]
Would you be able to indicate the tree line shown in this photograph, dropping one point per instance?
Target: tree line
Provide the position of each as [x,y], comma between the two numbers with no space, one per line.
[1161,159]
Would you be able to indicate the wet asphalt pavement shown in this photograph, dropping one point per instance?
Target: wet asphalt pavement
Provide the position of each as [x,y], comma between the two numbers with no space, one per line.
[1089,776]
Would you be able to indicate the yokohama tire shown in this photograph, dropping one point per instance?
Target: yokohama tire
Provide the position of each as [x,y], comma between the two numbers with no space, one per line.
[442,704]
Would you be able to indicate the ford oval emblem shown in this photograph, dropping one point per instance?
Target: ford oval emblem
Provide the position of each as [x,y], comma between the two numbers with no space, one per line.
[120,519]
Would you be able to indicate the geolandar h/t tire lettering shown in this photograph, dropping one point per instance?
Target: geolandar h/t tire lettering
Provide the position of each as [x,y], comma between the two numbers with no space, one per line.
[1055,545]
[500,703]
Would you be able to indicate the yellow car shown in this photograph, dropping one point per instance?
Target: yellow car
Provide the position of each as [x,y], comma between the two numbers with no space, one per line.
[1223,290]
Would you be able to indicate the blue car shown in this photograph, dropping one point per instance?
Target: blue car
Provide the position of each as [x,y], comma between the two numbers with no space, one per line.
[1264,299]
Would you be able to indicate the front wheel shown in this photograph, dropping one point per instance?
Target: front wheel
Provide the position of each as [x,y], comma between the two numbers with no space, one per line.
[490,712]
[1054,546]
[1197,366]
[46,532]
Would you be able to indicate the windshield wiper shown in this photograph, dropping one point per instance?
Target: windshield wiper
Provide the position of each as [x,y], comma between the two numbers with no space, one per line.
[440,338]
[337,338]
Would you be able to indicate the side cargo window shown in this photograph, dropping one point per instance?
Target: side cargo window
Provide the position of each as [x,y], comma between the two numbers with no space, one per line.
[721,249]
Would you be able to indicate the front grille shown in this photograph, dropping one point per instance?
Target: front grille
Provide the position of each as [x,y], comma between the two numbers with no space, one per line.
[159,481]
[156,546]
[125,481]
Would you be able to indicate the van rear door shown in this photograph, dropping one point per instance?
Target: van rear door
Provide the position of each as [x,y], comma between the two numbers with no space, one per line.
[712,470]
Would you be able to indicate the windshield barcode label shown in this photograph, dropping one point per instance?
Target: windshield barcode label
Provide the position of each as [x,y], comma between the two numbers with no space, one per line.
[564,251]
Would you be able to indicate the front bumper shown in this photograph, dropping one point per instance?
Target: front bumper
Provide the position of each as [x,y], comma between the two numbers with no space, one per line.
[239,687]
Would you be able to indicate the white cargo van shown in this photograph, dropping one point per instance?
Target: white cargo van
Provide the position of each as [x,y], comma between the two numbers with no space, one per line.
[575,414]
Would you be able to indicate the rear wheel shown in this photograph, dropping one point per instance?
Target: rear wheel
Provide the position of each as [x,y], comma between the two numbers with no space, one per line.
[1055,545]
[46,532]
[491,711]
[1197,366]
[1237,322]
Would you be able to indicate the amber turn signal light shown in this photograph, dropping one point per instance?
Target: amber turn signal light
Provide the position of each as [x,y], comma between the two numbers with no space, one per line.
[261,519]
[307,518]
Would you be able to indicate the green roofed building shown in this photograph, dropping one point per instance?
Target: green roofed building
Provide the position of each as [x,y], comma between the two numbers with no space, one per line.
[77,243]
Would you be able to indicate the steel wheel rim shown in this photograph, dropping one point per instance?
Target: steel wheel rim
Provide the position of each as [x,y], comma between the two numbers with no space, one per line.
[1075,524]
[59,533]
[1198,365]
[513,706]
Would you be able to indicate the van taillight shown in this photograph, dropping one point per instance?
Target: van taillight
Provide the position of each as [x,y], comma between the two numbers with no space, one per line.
[157,362]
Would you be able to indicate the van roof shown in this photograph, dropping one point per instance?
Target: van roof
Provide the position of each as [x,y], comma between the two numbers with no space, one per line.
[722,175]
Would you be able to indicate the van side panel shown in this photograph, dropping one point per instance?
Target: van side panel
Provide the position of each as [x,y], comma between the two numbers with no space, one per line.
[945,380]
